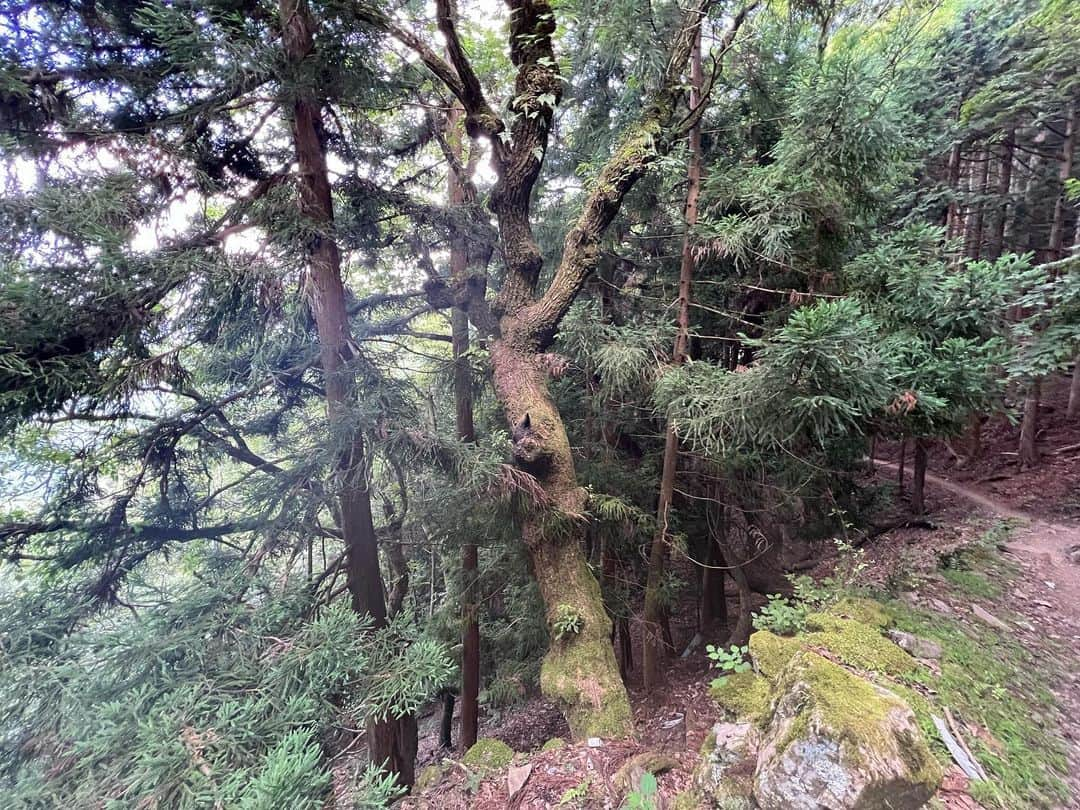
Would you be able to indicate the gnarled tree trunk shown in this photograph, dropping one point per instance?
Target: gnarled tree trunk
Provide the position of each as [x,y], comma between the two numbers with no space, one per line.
[579,671]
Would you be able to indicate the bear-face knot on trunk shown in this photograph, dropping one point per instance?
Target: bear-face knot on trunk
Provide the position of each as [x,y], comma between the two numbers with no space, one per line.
[527,447]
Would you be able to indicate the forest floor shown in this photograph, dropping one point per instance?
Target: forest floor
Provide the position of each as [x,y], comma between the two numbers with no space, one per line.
[1000,563]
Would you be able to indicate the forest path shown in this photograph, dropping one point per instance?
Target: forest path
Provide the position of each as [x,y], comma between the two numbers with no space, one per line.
[1047,598]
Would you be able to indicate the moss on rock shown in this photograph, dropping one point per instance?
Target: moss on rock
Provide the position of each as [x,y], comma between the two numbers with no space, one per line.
[862,610]
[629,775]
[488,754]
[428,778]
[745,695]
[687,800]
[856,644]
[771,653]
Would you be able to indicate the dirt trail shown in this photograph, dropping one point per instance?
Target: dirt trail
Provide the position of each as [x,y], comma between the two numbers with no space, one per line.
[1048,599]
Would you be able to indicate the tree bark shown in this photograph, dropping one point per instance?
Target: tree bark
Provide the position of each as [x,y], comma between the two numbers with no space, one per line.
[392,743]
[652,624]
[579,672]
[446,723]
[713,598]
[952,214]
[979,185]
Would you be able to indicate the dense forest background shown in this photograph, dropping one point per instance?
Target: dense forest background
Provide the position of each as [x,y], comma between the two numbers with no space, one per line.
[357,357]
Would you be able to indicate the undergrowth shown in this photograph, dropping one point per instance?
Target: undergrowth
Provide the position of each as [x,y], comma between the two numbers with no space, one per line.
[991,681]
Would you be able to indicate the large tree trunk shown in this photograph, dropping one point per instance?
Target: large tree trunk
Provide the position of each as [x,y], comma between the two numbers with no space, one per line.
[392,743]
[652,625]
[579,671]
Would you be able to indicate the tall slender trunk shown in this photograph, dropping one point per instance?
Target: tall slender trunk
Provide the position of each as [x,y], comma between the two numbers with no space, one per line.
[1068,150]
[918,484]
[463,409]
[952,214]
[996,244]
[652,634]
[1029,426]
[979,185]
[1073,410]
[392,743]
[713,600]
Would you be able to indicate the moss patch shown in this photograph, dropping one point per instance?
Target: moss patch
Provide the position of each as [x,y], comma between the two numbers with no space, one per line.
[428,778]
[488,755]
[867,611]
[846,704]
[579,673]
[629,775]
[744,695]
[687,800]
[971,582]
[857,644]
[554,744]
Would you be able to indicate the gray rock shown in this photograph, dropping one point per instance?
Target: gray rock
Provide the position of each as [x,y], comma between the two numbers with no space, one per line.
[724,777]
[918,647]
[839,742]
[990,619]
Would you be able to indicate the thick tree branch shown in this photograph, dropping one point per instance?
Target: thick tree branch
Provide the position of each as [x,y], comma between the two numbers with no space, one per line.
[653,136]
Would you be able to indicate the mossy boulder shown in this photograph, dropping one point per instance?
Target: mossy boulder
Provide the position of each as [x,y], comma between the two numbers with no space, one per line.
[488,754]
[850,631]
[839,741]
[743,695]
